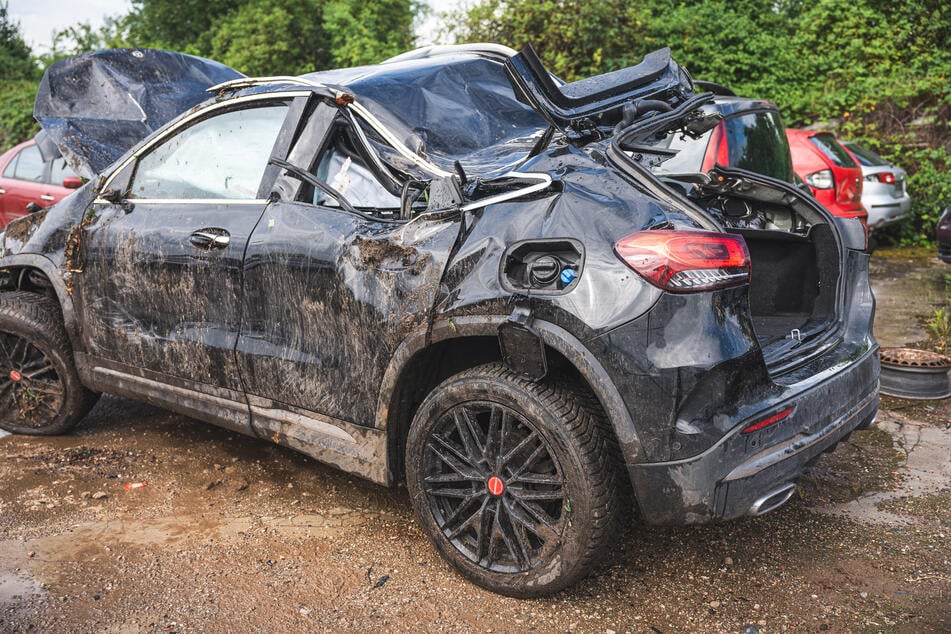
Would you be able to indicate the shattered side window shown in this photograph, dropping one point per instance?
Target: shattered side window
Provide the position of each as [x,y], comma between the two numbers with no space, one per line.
[343,168]
[220,157]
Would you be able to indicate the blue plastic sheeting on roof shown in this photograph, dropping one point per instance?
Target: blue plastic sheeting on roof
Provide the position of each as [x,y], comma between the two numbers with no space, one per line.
[95,107]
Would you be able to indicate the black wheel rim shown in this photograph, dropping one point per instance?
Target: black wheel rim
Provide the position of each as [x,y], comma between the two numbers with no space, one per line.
[494,487]
[31,390]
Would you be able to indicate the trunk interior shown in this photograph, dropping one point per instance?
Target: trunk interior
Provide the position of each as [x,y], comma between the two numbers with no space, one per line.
[793,284]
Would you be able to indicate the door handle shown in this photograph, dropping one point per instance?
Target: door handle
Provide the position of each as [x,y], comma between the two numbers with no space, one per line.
[47,198]
[210,238]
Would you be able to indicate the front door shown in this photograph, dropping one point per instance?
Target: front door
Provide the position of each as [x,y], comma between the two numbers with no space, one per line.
[159,270]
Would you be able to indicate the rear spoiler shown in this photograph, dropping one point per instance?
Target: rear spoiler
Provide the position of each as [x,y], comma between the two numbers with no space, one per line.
[658,77]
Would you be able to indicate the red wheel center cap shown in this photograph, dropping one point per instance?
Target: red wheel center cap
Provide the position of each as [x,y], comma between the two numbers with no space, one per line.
[496,486]
[15,376]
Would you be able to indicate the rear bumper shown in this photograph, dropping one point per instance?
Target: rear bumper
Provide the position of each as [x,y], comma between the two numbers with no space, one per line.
[885,209]
[749,474]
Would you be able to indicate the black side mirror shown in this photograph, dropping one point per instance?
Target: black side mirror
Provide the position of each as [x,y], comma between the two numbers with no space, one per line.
[113,195]
[32,207]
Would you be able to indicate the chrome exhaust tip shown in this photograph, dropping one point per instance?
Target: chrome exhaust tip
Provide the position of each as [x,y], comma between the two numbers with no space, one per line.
[773,500]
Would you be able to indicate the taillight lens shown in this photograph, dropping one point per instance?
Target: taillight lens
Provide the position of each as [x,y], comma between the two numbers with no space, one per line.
[882,177]
[822,179]
[687,261]
[766,422]
[849,191]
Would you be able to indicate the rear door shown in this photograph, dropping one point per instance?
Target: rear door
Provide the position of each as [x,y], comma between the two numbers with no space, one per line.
[330,292]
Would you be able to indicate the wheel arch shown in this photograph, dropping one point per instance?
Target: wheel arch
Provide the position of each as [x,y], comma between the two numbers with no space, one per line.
[19,268]
[457,344]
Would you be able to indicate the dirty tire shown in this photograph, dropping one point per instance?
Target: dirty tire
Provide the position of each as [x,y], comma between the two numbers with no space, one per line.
[40,392]
[513,480]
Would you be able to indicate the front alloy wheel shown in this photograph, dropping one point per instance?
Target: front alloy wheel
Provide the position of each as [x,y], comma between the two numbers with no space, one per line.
[40,390]
[30,387]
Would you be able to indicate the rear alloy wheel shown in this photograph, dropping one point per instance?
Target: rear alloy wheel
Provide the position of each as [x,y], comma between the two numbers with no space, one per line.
[40,392]
[512,480]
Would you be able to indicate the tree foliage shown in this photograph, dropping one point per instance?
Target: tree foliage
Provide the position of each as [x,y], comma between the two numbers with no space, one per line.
[576,38]
[270,37]
[16,59]
[16,112]
[276,37]
[19,72]
[874,71]
[178,25]
[362,32]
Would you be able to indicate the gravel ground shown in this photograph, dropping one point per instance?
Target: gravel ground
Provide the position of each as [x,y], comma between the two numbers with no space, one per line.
[233,534]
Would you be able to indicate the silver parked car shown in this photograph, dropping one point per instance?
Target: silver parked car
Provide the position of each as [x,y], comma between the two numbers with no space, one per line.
[884,193]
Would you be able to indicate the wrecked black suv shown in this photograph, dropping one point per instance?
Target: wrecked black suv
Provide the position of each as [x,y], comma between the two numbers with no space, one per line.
[449,269]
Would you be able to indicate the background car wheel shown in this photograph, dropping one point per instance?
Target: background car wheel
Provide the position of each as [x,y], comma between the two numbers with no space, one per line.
[514,481]
[40,392]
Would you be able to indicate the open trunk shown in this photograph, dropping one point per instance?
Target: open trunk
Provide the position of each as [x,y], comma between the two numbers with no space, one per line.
[796,263]
[795,253]
[792,290]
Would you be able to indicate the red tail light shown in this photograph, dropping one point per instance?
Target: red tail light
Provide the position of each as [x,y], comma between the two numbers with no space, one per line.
[766,422]
[687,261]
[886,177]
[849,191]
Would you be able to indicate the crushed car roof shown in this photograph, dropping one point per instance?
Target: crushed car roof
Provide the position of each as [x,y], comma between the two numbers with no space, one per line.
[471,105]
[95,107]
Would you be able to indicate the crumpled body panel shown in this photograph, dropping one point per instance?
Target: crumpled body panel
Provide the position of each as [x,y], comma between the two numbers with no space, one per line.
[95,107]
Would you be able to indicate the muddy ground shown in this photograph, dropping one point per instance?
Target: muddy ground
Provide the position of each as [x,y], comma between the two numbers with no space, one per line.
[231,534]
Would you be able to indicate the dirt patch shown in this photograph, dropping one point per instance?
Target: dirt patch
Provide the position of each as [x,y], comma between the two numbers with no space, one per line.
[22,231]
[374,252]
[867,462]
[934,413]
[233,534]
[906,292]
[934,508]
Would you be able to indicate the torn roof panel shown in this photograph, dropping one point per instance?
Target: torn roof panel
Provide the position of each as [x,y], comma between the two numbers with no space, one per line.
[455,106]
[96,106]
[446,105]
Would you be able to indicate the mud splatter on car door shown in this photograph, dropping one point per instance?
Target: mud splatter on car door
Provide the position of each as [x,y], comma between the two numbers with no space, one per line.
[160,267]
[328,297]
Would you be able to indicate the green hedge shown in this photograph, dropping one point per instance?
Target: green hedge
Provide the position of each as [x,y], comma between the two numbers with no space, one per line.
[16,113]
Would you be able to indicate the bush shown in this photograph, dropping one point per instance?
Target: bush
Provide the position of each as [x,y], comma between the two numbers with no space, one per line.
[16,113]
[870,71]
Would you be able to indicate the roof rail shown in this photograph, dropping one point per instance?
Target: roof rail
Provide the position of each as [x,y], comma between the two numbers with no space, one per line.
[496,51]
[247,82]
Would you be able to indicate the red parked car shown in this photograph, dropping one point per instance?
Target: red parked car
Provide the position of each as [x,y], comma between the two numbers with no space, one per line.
[25,177]
[831,172]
